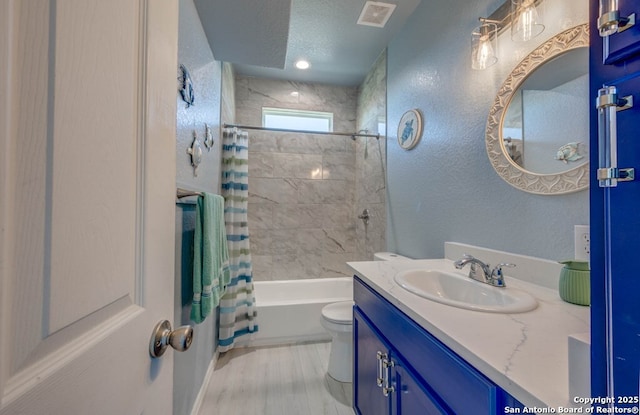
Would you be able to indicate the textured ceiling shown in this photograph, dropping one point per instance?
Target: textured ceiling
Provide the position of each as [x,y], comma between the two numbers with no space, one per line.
[266,37]
[247,31]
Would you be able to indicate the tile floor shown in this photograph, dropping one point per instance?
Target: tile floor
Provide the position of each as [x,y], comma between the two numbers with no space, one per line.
[283,380]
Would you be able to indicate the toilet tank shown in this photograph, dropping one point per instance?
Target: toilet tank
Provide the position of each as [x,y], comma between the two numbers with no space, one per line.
[388,256]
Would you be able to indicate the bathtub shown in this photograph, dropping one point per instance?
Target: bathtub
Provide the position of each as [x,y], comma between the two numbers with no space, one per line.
[289,311]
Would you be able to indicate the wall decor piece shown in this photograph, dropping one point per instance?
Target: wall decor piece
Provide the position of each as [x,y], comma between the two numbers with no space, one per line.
[208,137]
[195,151]
[186,87]
[569,152]
[410,129]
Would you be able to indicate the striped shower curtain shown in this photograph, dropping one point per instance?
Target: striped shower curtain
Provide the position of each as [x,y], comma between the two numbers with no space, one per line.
[237,305]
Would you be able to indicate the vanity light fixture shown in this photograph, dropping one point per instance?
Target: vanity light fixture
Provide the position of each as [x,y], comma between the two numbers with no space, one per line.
[525,20]
[523,17]
[484,44]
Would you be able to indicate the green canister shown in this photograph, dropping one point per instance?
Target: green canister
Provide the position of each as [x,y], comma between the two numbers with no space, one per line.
[574,284]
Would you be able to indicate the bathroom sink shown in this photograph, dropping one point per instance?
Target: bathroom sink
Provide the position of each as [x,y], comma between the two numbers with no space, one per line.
[460,291]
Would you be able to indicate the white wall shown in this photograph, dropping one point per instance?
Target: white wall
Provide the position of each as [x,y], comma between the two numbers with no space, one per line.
[194,52]
[445,189]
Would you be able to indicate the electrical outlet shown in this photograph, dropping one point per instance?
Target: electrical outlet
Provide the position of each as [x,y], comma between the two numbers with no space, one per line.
[582,241]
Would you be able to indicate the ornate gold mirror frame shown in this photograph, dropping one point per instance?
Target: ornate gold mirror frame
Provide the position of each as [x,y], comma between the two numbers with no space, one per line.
[568,181]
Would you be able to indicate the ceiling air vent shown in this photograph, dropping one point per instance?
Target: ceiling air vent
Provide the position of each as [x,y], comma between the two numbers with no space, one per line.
[375,13]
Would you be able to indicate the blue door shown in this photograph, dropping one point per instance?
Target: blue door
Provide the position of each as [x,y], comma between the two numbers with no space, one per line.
[615,203]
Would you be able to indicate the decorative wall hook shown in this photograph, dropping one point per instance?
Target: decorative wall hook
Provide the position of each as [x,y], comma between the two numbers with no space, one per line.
[208,137]
[195,151]
[186,88]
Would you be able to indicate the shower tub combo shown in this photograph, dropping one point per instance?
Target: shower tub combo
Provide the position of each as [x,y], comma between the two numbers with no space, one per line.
[290,311]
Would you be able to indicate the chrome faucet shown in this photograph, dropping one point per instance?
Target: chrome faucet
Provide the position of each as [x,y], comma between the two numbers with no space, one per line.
[482,272]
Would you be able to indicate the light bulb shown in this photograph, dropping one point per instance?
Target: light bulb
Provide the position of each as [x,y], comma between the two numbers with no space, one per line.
[483,47]
[526,24]
[485,54]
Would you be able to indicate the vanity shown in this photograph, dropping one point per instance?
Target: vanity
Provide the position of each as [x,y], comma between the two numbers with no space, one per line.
[412,354]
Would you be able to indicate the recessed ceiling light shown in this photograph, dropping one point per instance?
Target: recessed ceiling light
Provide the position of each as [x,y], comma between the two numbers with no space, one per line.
[302,64]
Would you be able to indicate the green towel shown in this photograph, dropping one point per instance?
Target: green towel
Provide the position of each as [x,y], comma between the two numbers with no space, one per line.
[210,256]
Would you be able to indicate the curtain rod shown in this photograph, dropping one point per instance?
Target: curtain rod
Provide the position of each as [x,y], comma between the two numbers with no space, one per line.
[286,130]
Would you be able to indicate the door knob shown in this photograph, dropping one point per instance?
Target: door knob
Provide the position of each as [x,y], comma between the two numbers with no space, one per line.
[163,337]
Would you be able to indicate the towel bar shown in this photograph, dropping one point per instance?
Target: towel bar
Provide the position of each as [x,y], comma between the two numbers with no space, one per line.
[180,193]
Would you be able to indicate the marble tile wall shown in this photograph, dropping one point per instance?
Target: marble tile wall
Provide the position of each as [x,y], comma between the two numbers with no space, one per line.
[301,186]
[371,160]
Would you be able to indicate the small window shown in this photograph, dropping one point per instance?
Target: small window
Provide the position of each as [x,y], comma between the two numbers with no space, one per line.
[297,119]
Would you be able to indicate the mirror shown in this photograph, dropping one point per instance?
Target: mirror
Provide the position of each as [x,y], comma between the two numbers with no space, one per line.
[546,125]
[537,134]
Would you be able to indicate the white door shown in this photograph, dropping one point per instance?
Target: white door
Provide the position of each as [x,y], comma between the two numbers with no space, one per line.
[87,191]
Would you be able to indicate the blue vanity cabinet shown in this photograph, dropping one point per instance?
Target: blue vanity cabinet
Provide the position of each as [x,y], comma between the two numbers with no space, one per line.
[426,376]
[385,384]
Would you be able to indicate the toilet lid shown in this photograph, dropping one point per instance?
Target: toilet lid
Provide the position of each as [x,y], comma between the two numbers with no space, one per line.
[339,313]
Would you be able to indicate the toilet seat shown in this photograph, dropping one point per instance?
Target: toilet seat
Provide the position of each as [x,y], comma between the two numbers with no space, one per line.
[339,313]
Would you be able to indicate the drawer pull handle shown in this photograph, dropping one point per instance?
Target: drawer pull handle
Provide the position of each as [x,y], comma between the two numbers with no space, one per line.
[387,389]
[608,105]
[380,357]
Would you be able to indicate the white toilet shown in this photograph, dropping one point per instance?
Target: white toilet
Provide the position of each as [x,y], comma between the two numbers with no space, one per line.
[337,318]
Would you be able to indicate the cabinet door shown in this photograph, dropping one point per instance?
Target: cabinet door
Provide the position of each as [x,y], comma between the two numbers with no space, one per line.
[368,397]
[615,225]
[616,316]
[409,397]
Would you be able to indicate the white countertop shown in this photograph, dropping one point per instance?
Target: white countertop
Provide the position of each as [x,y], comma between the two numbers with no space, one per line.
[526,354]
